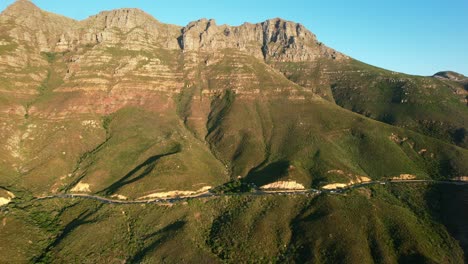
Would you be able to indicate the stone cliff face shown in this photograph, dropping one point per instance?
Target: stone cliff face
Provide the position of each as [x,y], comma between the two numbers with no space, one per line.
[121,80]
[25,22]
[125,56]
[450,75]
[134,29]
[274,39]
[58,75]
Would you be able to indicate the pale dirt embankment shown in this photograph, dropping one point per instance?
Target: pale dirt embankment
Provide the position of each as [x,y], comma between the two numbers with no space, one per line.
[404,177]
[283,185]
[6,197]
[353,179]
[461,178]
[81,187]
[119,197]
[175,193]
[358,180]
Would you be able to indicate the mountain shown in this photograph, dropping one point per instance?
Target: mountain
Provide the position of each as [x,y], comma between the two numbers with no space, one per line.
[453,76]
[450,75]
[121,106]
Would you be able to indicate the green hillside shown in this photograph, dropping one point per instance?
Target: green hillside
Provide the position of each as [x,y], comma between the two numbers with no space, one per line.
[354,227]
[125,139]
[432,106]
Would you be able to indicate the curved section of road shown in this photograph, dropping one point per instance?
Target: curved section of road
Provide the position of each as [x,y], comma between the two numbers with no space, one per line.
[172,200]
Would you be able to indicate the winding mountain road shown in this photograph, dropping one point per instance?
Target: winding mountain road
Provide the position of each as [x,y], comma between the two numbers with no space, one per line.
[172,200]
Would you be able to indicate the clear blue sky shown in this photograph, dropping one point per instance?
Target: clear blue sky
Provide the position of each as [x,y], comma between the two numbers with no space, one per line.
[412,36]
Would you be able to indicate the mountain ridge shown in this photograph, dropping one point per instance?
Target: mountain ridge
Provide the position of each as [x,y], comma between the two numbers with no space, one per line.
[277,38]
[120,106]
[202,81]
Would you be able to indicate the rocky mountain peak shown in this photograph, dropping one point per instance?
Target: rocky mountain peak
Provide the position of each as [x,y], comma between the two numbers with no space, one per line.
[273,39]
[451,75]
[199,34]
[130,27]
[25,22]
[288,41]
[23,12]
[124,19]
[285,31]
[20,7]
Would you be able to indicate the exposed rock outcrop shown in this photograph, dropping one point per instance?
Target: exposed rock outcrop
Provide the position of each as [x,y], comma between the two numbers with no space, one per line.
[25,22]
[176,193]
[130,27]
[356,180]
[108,54]
[404,177]
[450,75]
[81,187]
[283,185]
[114,51]
[5,197]
[274,39]
[456,77]
[461,178]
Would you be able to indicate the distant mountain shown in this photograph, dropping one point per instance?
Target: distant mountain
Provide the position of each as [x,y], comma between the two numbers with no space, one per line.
[450,75]
[453,76]
[123,106]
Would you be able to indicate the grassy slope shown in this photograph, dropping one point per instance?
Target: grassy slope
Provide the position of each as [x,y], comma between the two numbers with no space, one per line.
[424,104]
[261,126]
[351,228]
[256,122]
[272,136]
[306,139]
[147,152]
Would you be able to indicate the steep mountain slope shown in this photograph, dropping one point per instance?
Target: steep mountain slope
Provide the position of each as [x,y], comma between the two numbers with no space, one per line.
[124,106]
[203,94]
[450,75]
[380,224]
[428,105]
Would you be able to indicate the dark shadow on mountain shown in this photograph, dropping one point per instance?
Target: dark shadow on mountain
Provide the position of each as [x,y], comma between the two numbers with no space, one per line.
[300,247]
[271,173]
[414,259]
[459,135]
[449,206]
[141,170]
[82,219]
[157,238]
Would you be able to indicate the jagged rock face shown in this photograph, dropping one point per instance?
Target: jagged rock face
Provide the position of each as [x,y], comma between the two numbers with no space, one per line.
[205,35]
[124,57]
[124,19]
[450,75]
[273,39]
[49,32]
[225,85]
[288,41]
[39,29]
[458,78]
[133,28]
[136,30]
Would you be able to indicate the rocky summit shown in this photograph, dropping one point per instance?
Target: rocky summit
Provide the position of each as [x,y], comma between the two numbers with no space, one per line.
[125,139]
